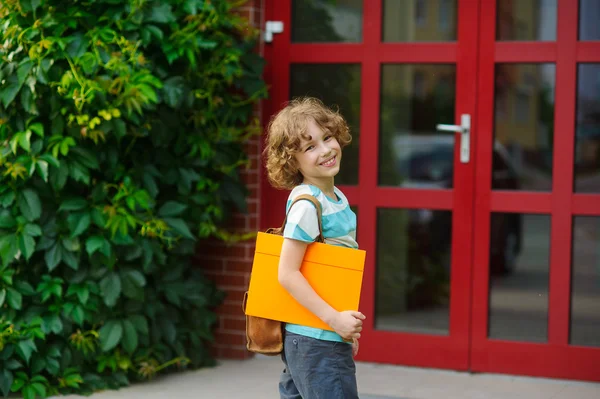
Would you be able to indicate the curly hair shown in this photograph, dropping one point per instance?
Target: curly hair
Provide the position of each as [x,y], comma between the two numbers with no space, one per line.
[285,131]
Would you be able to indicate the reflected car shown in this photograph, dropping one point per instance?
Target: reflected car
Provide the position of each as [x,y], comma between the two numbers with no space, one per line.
[427,162]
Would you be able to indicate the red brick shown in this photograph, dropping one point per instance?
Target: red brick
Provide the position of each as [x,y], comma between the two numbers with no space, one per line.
[236,296]
[252,223]
[230,309]
[229,338]
[253,205]
[224,251]
[253,190]
[250,177]
[212,265]
[228,279]
[237,324]
[238,266]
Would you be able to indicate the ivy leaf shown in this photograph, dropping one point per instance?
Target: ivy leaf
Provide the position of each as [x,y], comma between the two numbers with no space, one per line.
[95,243]
[53,257]
[32,229]
[30,205]
[10,90]
[79,222]
[130,337]
[7,199]
[171,208]
[110,335]
[78,46]
[6,382]
[25,348]
[42,168]
[14,298]
[2,296]
[173,91]
[73,204]
[7,221]
[26,245]
[161,14]
[180,227]
[140,323]
[110,287]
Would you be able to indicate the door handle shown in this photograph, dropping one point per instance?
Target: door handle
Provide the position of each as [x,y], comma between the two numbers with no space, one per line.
[465,132]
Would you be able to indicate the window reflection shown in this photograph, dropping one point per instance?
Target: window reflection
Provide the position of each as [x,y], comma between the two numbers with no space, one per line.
[318,21]
[585,284]
[337,85]
[526,20]
[587,131]
[524,127]
[519,277]
[589,15]
[413,270]
[419,20]
[414,98]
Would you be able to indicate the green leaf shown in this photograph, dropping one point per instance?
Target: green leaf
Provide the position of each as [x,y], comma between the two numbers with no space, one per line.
[30,205]
[2,296]
[40,389]
[14,298]
[180,227]
[94,243]
[28,392]
[78,315]
[32,229]
[130,337]
[53,256]
[171,208]
[50,160]
[7,221]
[173,91]
[25,348]
[10,90]
[73,204]
[26,245]
[9,247]
[6,381]
[110,286]
[161,14]
[42,168]
[38,129]
[70,258]
[110,335]
[7,199]
[78,46]
[79,222]
[140,323]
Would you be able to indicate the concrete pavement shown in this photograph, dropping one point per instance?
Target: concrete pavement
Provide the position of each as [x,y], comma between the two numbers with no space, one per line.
[257,379]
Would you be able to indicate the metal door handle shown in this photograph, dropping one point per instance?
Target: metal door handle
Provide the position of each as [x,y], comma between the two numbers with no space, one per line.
[465,131]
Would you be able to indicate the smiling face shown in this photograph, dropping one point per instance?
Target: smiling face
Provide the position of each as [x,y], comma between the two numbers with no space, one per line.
[319,157]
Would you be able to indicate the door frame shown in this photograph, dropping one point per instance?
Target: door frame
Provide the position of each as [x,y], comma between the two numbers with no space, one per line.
[445,351]
[555,358]
[472,200]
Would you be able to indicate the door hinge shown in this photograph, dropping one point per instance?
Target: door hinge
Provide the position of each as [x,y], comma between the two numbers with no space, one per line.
[272,27]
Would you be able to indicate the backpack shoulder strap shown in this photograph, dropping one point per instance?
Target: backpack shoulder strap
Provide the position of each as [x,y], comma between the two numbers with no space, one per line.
[317,205]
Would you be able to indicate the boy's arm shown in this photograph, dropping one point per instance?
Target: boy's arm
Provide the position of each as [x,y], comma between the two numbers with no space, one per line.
[347,324]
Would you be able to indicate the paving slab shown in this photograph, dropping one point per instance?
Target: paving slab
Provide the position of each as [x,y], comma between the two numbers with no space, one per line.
[258,377]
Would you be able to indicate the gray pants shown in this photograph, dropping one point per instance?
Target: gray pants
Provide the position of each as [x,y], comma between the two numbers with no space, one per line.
[316,369]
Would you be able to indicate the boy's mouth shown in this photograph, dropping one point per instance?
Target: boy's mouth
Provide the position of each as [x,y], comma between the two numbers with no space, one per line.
[330,162]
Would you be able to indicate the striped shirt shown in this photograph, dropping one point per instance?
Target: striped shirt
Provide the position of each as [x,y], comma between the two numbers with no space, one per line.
[339,228]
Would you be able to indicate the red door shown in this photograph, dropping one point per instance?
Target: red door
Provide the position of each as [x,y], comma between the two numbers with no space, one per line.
[458,227]
[538,117]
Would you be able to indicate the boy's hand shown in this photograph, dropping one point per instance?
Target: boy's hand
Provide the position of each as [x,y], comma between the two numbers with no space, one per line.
[354,347]
[348,324]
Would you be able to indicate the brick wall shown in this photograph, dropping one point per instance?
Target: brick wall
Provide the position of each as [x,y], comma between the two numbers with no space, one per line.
[229,266]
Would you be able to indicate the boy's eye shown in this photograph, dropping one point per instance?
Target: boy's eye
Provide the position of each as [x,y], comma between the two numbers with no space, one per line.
[310,147]
[327,138]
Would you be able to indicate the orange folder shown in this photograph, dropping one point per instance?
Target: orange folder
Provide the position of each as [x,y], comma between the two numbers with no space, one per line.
[334,272]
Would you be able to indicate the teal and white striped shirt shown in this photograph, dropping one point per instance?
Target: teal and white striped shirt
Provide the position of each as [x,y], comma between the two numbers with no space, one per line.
[339,228]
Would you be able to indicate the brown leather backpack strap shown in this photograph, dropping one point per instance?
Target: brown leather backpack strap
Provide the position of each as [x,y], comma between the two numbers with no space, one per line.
[317,204]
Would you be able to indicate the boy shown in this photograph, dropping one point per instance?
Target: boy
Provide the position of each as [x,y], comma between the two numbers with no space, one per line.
[304,153]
